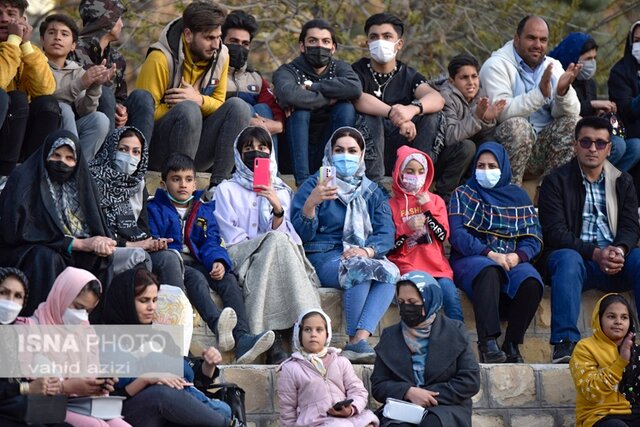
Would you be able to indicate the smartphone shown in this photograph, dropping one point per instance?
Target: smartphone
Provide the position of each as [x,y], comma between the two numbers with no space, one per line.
[261,172]
[339,405]
[328,175]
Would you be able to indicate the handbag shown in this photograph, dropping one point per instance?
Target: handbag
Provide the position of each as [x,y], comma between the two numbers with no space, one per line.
[232,395]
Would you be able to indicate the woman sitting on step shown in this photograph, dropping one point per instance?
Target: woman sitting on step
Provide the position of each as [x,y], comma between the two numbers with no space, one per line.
[495,233]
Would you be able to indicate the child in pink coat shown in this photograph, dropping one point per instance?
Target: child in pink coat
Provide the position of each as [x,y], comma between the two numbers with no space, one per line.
[316,377]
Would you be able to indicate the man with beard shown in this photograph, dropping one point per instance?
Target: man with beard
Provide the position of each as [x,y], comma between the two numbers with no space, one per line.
[186,73]
[537,123]
[316,91]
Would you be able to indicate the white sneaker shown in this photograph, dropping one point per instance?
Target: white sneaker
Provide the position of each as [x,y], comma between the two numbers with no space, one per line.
[3,181]
[226,322]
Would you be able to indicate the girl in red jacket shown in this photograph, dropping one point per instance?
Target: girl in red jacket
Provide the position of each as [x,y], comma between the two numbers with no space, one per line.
[422,225]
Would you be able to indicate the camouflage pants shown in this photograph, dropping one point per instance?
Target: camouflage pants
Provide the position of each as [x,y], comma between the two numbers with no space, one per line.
[535,156]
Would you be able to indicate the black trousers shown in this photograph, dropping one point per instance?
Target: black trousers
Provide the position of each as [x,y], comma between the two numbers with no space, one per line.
[487,304]
[452,164]
[619,421]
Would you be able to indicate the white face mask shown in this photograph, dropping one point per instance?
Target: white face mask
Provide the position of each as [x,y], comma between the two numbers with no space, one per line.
[382,51]
[72,316]
[9,310]
[635,51]
[125,162]
[488,178]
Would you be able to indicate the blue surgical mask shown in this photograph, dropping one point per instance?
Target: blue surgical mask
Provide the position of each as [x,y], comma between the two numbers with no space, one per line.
[180,202]
[126,163]
[588,69]
[488,178]
[346,164]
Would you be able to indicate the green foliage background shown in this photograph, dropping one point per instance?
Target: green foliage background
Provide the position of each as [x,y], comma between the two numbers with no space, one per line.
[435,30]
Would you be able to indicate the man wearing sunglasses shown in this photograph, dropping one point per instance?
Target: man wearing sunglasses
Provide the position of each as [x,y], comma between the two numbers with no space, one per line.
[589,215]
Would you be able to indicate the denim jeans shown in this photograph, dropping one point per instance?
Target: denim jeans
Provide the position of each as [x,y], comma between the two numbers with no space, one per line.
[140,109]
[450,299]
[263,110]
[571,275]
[625,154]
[90,129]
[364,304]
[297,134]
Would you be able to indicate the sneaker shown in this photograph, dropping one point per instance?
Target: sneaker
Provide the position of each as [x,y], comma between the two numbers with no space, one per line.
[226,322]
[251,346]
[360,352]
[562,351]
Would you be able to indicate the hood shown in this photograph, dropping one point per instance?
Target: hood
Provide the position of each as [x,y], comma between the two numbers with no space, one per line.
[595,321]
[402,157]
[171,36]
[570,48]
[506,53]
[68,65]
[628,44]
[297,346]
[429,289]
[99,16]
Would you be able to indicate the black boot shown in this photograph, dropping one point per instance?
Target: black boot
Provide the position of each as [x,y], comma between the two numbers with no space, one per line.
[277,354]
[513,353]
[490,353]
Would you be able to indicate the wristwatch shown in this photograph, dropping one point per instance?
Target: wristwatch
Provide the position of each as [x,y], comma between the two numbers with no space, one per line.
[418,104]
[278,214]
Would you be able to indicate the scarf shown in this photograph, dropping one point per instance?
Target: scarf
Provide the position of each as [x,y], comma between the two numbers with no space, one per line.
[244,177]
[417,339]
[118,188]
[502,213]
[314,358]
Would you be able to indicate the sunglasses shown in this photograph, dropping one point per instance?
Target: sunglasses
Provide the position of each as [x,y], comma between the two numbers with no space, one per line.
[586,143]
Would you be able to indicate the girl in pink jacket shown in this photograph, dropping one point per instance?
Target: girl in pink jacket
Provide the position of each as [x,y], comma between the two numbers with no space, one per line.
[317,386]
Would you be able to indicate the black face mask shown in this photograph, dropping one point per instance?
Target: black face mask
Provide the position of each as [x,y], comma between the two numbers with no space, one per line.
[317,56]
[238,55]
[59,171]
[411,314]
[249,157]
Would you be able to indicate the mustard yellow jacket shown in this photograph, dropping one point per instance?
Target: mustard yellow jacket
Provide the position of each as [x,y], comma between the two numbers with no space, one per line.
[25,68]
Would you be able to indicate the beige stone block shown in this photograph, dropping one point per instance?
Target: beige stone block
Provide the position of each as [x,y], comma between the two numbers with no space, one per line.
[257,381]
[391,317]
[512,385]
[557,386]
[538,420]
[568,419]
[487,421]
[542,319]
[536,349]
[479,400]
[331,303]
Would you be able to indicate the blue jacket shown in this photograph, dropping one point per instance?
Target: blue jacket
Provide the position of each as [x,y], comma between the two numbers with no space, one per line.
[201,233]
[323,233]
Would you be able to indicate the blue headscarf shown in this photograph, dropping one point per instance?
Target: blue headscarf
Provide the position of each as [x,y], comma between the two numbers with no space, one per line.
[570,48]
[503,213]
[417,339]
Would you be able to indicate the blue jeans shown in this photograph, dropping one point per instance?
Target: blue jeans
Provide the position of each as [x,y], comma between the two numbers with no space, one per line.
[625,154]
[263,110]
[297,134]
[571,275]
[450,299]
[364,304]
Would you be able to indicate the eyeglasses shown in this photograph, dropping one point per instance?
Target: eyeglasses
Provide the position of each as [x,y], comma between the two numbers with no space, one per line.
[586,143]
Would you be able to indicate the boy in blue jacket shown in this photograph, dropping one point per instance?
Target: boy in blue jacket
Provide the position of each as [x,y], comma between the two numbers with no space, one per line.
[177,212]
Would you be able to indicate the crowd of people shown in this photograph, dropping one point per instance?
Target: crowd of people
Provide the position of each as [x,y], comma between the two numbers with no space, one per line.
[81,240]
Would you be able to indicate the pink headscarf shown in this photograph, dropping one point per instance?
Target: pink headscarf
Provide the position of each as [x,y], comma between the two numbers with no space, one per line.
[65,289]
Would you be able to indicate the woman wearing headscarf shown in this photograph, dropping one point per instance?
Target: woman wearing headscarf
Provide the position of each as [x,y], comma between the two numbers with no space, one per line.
[75,293]
[277,280]
[495,233]
[347,231]
[427,358]
[51,218]
[580,48]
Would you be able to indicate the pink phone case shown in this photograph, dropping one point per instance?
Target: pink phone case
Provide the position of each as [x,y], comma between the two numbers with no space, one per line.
[261,172]
[328,174]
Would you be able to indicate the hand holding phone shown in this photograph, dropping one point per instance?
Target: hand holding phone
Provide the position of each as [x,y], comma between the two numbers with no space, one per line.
[327,176]
[339,405]
[261,172]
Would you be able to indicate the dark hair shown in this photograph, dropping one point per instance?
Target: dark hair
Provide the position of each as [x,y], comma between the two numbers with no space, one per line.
[63,19]
[142,280]
[460,61]
[320,24]
[21,5]
[347,131]
[402,283]
[308,315]
[203,16]
[524,21]
[132,132]
[6,272]
[384,18]
[177,162]
[93,286]
[241,20]
[593,122]
[250,133]
[612,299]
[588,45]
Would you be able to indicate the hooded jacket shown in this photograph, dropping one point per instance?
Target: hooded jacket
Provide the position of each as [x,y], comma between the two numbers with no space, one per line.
[499,77]
[596,367]
[24,67]
[252,88]
[422,250]
[169,60]
[70,89]
[624,88]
